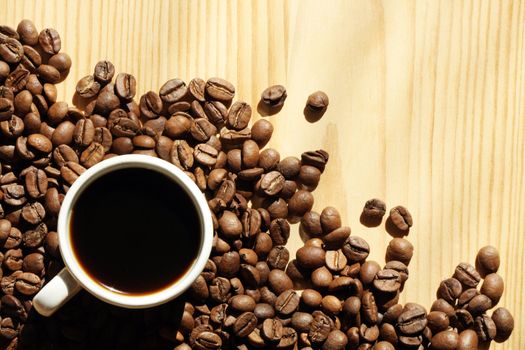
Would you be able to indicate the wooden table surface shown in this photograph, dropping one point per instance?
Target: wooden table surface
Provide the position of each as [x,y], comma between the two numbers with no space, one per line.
[426,104]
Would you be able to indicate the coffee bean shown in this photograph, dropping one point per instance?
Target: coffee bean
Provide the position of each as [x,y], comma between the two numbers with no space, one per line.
[274,96]
[239,115]
[449,289]
[279,231]
[467,275]
[6,109]
[308,177]
[335,260]
[317,101]
[88,87]
[445,340]
[278,258]
[479,304]
[27,31]
[272,330]
[373,212]
[245,324]
[485,328]
[287,302]
[27,283]
[250,276]
[17,79]
[493,287]
[92,155]
[11,50]
[207,341]
[201,129]
[369,308]
[319,329]
[412,321]
[289,338]
[230,224]
[33,213]
[468,340]
[301,202]
[331,305]
[14,194]
[70,171]
[311,257]
[205,154]
[172,91]
[462,319]
[48,73]
[63,134]
[125,86]
[399,249]
[262,131]
[242,303]
[387,281]
[356,249]
[229,265]
[504,324]
[63,154]
[49,40]
[219,89]
[487,261]
[437,321]
[337,238]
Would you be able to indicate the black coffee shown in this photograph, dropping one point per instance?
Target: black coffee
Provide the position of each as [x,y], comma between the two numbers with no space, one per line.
[135,231]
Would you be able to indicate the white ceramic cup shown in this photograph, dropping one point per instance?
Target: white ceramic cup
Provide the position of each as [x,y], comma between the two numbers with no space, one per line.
[72,278]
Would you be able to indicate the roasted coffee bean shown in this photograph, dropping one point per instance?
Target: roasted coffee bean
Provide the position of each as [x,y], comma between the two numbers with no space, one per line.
[272,183]
[6,109]
[201,129]
[33,263]
[239,115]
[330,219]
[172,91]
[301,321]
[321,277]
[368,272]
[264,311]
[245,324]
[11,50]
[308,177]
[103,136]
[335,260]
[250,276]
[27,31]
[36,183]
[150,105]
[63,154]
[88,87]
[220,289]
[125,86]
[445,340]
[14,194]
[207,341]
[219,89]
[399,249]
[504,324]
[331,305]
[84,132]
[373,211]
[262,131]
[205,154]
[229,265]
[356,249]
[289,338]
[272,330]
[92,155]
[27,283]
[493,287]
[300,203]
[369,308]
[311,298]
[230,224]
[33,213]
[278,257]
[49,40]
[278,281]
[317,101]
[13,259]
[311,257]
[319,329]
[63,134]
[467,275]
[242,303]
[479,304]
[462,319]
[16,81]
[487,260]
[437,321]
[485,328]
[412,322]
[387,281]
[449,290]
[181,154]
[48,73]
[71,171]
[311,224]
[287,302]
[468,340]
[369,333]
[274,96]
[279,231]
[337,238]
[467,296]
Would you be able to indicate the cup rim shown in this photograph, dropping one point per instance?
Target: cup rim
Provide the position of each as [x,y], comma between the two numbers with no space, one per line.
[130,300]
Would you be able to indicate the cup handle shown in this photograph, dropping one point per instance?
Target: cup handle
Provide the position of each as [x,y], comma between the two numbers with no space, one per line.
[56,293]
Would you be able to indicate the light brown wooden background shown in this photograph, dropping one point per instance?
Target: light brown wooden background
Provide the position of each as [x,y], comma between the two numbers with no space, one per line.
[426,104]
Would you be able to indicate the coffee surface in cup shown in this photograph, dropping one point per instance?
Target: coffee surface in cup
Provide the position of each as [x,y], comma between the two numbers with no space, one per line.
[135,231]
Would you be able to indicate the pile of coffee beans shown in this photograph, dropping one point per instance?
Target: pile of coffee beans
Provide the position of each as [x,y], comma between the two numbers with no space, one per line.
[252,293]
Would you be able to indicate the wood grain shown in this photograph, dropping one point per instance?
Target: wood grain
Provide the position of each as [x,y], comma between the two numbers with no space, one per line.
[426,104]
